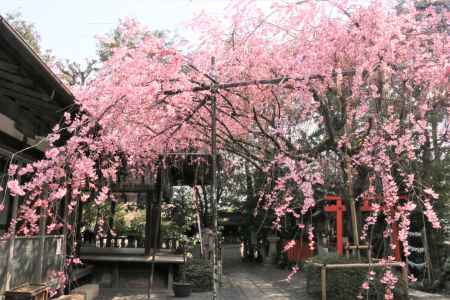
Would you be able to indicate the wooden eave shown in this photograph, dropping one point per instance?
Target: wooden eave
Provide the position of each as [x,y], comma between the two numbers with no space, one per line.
[32,62]
[31,95]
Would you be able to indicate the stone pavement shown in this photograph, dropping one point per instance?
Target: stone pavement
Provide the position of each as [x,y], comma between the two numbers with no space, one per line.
[241,281]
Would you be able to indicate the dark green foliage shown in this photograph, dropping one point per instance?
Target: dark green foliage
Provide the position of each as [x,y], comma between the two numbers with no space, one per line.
[344,284]
[199,274]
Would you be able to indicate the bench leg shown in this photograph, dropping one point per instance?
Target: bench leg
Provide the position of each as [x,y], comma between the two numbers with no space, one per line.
[116,279]
[170,277]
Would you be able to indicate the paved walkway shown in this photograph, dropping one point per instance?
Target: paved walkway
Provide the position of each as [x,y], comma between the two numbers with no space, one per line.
[255,281]
[241,281]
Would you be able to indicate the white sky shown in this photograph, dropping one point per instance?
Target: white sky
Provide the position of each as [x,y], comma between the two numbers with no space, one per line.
[69,27]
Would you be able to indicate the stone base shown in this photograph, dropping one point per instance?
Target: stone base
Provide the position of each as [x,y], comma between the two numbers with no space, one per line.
[419,295]
[89,291]
[72,297]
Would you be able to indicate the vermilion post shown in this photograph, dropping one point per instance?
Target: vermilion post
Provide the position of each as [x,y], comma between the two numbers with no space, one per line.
[338,208]
[397,253]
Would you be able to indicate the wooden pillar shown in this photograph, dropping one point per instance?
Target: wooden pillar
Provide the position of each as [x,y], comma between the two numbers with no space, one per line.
[65,232]
[116,275]
[42,232]
[152,220]
[148,218]
[10,254]
[170,277]
[323,282]
[78,226]
[155,226]
[396,242]
[111,224]
[339,225]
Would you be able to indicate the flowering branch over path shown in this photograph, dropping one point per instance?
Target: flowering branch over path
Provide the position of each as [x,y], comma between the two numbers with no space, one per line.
[319,96]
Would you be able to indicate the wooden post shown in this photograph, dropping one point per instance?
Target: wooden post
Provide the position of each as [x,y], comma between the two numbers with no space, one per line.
[66,203]
[170,277]
[116,275]
[111,223]
[323,281]
[157,199]
[148,217]
[396,241]
[405,275]
[79,220]
[196,196]
[10,254]
[42,232]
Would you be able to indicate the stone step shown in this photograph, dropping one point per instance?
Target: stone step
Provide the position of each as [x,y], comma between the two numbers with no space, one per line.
[72,297]
[89,291]
[419,295]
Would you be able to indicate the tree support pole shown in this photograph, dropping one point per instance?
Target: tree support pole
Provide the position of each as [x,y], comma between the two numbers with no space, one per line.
[214,183]
[349,171]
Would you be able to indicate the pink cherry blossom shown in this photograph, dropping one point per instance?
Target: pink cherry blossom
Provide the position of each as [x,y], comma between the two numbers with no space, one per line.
[15,188]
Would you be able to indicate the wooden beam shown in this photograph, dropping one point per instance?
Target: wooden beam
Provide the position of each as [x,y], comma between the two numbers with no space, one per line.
[9,67]
[24,90]
[16,48]
[45,110]
[18,79]
[11,144]
[4,55]
[28,123]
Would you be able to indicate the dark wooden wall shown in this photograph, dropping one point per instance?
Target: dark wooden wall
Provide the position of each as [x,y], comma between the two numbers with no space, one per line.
[23,99]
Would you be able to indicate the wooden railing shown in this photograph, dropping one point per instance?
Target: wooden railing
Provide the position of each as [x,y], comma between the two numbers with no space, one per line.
[126,242]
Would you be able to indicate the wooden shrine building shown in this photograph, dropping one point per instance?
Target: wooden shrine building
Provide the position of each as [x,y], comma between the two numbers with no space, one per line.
[32,101]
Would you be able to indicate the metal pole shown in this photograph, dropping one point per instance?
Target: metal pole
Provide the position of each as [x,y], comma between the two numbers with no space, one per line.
[214,182]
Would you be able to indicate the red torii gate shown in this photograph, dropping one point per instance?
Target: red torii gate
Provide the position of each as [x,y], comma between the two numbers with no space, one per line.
[339,208]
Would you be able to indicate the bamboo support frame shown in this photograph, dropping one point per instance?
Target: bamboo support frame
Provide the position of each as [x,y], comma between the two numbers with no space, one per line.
[324,267]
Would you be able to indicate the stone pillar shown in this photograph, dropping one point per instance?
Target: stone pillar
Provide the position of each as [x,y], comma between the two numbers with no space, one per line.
[271,256]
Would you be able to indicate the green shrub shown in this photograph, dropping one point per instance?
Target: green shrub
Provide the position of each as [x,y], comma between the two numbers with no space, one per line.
[199,274]
[345,283]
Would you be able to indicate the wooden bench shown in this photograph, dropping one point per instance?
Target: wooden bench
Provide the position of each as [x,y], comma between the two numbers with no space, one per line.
[118,256]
